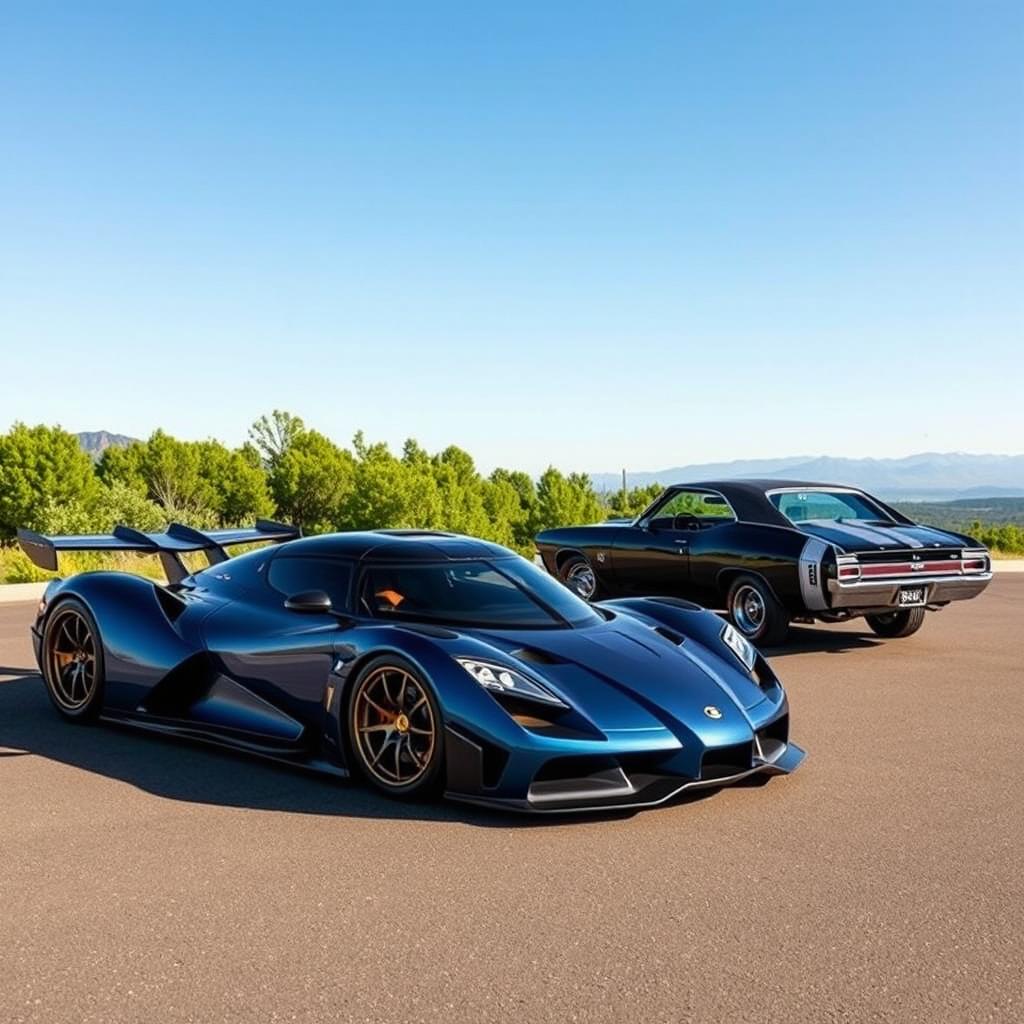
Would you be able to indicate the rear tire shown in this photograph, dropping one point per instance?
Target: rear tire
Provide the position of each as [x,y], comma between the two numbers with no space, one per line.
[756,612]
[578,575]
[893,625]
[72,661]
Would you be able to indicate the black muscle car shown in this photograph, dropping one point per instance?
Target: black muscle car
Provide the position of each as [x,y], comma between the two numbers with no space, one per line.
[774,551]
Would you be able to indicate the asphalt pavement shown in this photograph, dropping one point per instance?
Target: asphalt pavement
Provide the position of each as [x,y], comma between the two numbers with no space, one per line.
[143,880]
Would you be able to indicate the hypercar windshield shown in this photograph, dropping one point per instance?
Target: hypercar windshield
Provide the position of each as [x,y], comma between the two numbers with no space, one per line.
[828,506]
[508,593]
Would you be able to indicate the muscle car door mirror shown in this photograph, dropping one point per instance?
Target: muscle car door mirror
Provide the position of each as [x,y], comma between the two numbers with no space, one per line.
[309,601]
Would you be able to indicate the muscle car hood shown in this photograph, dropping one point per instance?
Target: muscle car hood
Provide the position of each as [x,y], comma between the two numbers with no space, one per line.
[625,675]
[857,537]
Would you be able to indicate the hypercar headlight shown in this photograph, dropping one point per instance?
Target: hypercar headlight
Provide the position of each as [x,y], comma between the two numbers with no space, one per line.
[740,646]
[502,679]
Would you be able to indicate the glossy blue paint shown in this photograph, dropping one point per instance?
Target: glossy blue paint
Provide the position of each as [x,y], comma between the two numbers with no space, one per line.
[652,694]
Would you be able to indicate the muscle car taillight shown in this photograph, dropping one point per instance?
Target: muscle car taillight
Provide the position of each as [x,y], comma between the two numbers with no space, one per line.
[847,568]
[974,561]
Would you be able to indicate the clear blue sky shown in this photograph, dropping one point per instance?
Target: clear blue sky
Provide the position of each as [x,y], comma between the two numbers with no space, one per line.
[590,234]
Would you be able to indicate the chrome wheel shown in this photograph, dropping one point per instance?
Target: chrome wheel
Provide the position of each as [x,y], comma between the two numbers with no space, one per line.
[581,580]
[748,609]
[393,727]
[71,660]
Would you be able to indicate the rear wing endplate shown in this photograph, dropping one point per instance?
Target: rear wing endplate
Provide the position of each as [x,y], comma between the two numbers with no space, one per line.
[168,546]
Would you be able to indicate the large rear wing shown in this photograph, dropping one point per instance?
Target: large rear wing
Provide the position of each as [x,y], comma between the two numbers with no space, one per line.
[168,546]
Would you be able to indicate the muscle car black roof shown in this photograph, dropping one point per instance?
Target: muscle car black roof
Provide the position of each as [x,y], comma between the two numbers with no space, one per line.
[749,499]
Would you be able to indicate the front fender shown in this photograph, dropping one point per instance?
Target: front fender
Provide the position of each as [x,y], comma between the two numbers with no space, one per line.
[464,703]
[691,621]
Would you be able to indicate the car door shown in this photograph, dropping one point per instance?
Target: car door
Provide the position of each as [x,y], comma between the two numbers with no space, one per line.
[653,555]
[284,657]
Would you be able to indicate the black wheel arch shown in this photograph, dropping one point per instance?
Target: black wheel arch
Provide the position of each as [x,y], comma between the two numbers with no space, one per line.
[562,556]
[727,576]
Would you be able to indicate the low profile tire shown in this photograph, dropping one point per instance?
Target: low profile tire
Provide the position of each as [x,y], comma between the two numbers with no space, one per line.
[72,661]
[756,613]
[892,625]
[395,729]
[578,575]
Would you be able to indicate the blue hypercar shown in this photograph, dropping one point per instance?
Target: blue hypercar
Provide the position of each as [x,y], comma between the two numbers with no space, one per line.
[419,661]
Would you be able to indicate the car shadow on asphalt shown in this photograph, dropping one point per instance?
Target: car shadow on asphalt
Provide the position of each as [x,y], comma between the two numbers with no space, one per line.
[194,772]
[812,640]
[16,673]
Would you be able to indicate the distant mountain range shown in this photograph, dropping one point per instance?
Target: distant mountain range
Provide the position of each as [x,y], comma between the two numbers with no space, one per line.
[930,476]
[95,442]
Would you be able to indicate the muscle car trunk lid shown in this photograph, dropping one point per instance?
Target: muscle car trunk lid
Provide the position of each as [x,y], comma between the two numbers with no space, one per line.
[862,538]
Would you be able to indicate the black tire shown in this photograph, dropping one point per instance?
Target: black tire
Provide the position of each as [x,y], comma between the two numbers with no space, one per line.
[72,661]
[579,576]
[892,625]
[403,764]
[756,613]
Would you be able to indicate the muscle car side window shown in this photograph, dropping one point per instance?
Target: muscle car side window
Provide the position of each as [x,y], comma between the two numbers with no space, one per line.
[693,509]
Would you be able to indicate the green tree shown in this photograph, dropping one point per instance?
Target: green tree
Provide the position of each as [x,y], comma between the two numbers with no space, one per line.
[273,435]
[122,464]
[505,516]
[391,493]
[522,522]
[38,464]
[116,504]
[461,490]
[634,501]
[564,500]
[236,487]
[309,481]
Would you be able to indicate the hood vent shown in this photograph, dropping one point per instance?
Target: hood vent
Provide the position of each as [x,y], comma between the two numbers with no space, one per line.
[536,657]
[671,635]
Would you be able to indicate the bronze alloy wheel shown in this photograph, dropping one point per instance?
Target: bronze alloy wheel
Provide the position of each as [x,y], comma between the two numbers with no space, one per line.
[394,727]
[71,661]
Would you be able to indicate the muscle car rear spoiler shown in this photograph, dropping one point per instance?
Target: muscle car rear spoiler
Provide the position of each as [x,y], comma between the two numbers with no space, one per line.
[168,546]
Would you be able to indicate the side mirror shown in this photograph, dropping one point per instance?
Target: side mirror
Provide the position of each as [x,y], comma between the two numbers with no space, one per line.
[309,601]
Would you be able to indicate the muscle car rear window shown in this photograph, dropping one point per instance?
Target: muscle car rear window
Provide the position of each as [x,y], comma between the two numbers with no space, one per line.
[831,506]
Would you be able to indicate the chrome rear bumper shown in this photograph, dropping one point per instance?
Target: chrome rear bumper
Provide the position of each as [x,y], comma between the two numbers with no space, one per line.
[877,593]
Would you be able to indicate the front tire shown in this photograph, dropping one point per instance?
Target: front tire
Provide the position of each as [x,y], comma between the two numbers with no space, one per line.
[893,625]
[72,661]
[756,612]
[578,575]
[395,729]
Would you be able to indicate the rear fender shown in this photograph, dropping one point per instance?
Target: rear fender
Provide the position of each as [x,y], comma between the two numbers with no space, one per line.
[145,633]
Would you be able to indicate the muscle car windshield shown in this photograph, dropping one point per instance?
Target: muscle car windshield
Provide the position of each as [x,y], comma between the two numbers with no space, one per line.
[830,506]
[517,595]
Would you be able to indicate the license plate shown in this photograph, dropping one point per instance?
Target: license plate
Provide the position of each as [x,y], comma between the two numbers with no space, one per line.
[910,596]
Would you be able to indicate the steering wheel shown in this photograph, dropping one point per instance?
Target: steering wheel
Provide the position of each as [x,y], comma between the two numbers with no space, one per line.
[685,521]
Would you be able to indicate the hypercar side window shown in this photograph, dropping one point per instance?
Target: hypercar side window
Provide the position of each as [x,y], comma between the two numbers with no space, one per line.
[293,575]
